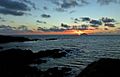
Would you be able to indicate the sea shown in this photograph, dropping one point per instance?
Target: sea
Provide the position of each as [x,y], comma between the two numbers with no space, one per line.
[83,49]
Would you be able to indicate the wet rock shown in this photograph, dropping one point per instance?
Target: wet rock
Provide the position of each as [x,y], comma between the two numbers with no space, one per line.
[16,63]
[57,72]
[55,53]
[102,68]
[1,47]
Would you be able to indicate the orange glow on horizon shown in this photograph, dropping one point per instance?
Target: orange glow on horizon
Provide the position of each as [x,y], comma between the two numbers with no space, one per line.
[66,32]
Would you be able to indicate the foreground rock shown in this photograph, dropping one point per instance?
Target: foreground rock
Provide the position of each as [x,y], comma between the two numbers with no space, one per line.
[1,47]
[7,39]
[102,68]
[16,63]
[55,53]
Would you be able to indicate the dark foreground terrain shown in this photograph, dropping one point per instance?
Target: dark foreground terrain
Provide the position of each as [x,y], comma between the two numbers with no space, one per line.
[104,67]
[16,63]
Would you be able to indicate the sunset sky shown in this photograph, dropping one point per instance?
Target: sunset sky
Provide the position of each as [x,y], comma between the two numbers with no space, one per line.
[59,16]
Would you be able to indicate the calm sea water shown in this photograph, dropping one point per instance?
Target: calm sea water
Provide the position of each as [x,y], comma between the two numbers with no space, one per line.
[84,49]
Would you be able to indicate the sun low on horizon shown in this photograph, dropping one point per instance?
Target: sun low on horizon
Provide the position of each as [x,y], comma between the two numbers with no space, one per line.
[60,17]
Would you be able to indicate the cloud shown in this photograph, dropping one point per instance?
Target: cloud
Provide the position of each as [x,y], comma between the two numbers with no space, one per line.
[60,10]
[95,23]
[43,22]
[31,3]
[76,20]
[14,5]
[85,19]
[2,19]
[106,2]
[65,26]
[45,16]
[7,29]
[84,27]
[52,29]
[45,8]
[22,28]
[69,3]
[109,25]
[11,12]
[107,20]
[72,11]
[65,4]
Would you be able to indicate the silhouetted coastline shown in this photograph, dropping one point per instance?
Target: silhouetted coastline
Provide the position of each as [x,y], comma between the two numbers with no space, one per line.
[7,39]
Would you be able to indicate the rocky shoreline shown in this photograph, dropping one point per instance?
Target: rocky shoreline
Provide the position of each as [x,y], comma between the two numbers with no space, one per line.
[17,63]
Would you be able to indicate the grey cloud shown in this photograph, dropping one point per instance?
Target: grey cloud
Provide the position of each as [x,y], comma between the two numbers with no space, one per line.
[84,27]
[53,29]
[95,23]
[45,8]
[69,3]
[43,22]
[5,27]
[66,4]
[14,5]
[76,20]
[23,28]
[31,3]
[72,11]
[45,16]
[109,25]
[85,19]
[2,19]
[60,10]
[65,26]
[11,12]
[106,2]
[107,20]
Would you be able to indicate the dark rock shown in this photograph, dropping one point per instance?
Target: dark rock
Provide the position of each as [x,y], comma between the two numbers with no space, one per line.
[19,56]
[68,50]
[55,53]
[51,39]
[7,39]
[56,72]
[39,61]
[102,68]
[16,63]
[84,34]
[1,47]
